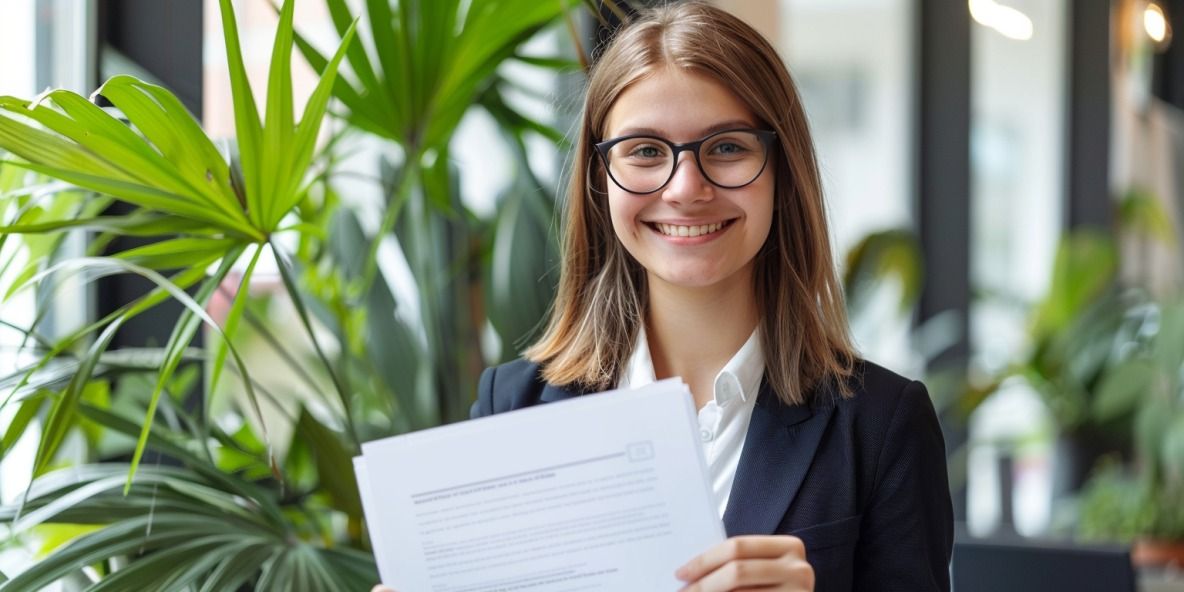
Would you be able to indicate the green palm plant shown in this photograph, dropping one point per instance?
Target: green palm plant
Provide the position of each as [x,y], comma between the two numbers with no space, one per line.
[201,208]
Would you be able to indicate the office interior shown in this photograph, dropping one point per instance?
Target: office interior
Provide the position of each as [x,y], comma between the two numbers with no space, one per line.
[1005,184]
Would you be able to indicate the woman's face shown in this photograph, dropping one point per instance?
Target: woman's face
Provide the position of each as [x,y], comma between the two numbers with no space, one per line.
[691,233]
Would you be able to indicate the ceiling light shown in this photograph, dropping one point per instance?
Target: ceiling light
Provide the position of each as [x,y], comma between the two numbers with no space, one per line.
[1005,20]
[1155,23]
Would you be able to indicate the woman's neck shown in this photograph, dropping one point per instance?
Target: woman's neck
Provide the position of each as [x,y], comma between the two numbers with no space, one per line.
[693,333]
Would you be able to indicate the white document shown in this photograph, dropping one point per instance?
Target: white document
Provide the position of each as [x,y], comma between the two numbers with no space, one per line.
[600,492]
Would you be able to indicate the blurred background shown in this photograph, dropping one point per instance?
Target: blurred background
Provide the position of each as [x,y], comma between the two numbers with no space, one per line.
[1004,187]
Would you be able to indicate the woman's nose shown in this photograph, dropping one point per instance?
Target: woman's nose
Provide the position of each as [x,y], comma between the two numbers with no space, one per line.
[688,184]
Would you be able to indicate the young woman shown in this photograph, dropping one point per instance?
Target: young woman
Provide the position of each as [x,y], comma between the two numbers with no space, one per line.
[696,246]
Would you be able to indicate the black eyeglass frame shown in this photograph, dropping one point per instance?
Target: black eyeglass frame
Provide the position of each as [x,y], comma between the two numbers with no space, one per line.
[766,138]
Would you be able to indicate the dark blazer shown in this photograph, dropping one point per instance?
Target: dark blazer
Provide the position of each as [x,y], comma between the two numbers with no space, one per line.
[862,481]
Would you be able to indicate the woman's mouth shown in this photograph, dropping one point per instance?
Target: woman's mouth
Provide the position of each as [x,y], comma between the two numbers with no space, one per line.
[690,231]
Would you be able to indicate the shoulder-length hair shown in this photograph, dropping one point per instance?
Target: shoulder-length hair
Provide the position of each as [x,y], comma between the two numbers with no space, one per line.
[602,290]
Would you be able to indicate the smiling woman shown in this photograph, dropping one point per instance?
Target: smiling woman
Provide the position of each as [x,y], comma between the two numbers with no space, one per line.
[718,182]
[697,246]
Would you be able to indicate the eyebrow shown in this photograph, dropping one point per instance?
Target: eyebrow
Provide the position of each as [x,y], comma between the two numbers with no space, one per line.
[719,127]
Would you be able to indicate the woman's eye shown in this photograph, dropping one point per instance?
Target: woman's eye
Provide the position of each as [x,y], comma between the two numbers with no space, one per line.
[646,152]
[727,148]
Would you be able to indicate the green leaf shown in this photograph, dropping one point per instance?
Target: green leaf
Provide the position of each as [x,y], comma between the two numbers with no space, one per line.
[248,129]
[1172,451]
[393,44]
[364,114]
[130,536]
[37,146]
[508,118]
[393,349]
[1150,429]
[334,464]
[1086,263]
[20,422]
[163,119]
[232,319]
[304,141]
[522,269]
[61,415]
[267,508]
[277,130]
[178,252]
[1122,388]
[1169,342]
[484,43]
[103,136]
[160,293]
[549,62]
[1141,212]
[96,392]
[138,224]
[236,569]
[188,177]
[143,196]
[180,338]
[302,312]
[67,500]
[375,111]
[172,568]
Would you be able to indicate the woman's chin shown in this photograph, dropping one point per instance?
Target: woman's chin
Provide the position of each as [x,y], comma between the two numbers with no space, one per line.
[688,279]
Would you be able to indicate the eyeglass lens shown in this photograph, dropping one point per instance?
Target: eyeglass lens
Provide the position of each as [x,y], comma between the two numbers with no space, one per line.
[729,159]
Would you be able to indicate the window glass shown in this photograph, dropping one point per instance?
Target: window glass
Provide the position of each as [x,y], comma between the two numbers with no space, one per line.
[1018,69]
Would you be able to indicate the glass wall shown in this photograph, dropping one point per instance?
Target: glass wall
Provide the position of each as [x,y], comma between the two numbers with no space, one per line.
[47,43]
[1018,102]
[1017,163]
[50,43]
[17,78]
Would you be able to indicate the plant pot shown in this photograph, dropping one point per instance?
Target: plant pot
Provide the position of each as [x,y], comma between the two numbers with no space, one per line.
[1077,453]
[1157,553]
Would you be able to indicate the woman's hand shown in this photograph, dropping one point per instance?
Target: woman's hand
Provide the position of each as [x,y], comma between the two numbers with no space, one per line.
[775,562]
[381,588]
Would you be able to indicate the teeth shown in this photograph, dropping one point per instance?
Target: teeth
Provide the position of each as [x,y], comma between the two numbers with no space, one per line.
[690,231]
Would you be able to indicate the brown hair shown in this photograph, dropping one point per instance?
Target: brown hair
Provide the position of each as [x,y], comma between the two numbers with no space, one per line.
[602,289]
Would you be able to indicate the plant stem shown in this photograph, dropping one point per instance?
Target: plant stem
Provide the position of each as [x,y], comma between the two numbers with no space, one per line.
[294,294]
[394,207]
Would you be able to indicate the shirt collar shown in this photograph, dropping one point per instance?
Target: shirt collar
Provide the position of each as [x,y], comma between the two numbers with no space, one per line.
[743,372]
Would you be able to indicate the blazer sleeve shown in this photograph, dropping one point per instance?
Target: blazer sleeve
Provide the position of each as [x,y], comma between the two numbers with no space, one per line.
[908,531]
[484,404]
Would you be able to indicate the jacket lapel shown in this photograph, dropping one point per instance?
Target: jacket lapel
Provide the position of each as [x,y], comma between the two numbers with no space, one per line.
[778,449]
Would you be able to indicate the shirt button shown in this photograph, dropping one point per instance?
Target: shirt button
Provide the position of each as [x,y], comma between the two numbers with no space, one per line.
[706,435]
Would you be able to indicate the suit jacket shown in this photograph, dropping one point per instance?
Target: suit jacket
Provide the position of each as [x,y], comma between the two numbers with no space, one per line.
[862,481]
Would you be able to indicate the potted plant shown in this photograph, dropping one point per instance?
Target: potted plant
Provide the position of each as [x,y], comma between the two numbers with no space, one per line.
[1143,503]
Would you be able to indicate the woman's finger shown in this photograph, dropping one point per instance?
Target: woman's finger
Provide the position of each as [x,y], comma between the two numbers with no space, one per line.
[783,573]
[741,547]
[381,588]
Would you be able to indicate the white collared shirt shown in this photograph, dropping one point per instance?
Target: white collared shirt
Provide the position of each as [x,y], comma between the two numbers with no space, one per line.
[723,421]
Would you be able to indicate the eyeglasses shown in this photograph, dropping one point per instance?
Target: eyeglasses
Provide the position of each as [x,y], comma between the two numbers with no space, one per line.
[729,159]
